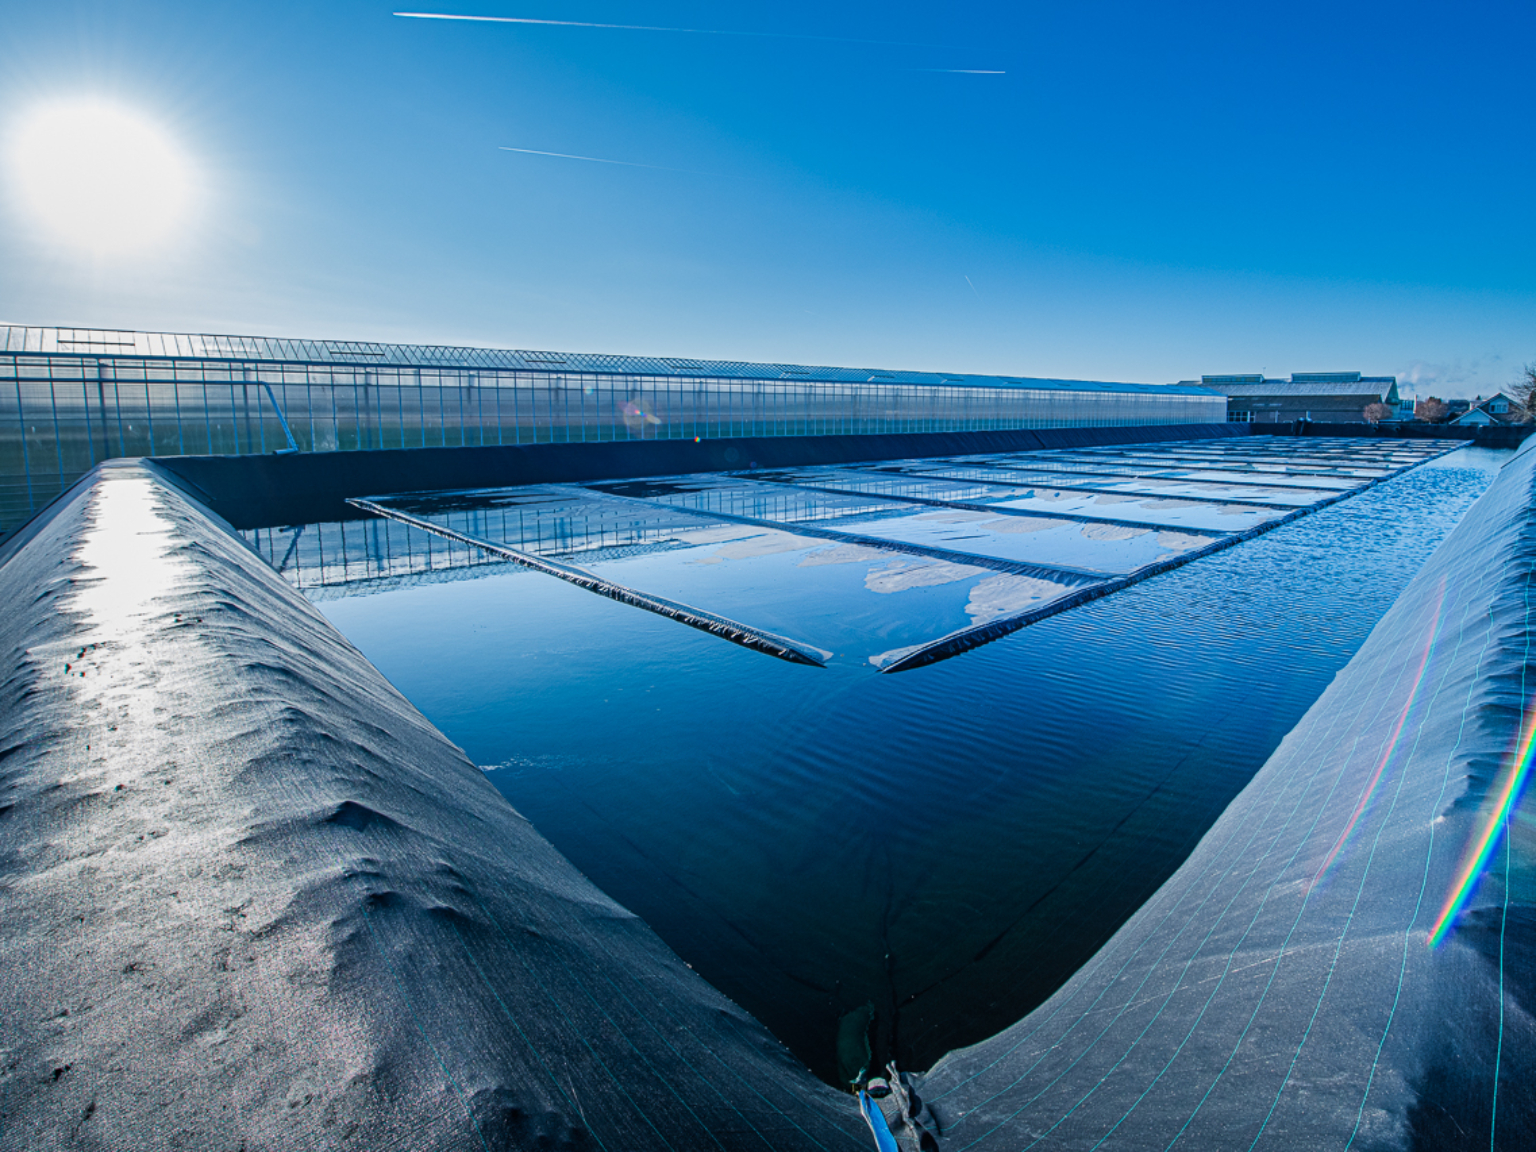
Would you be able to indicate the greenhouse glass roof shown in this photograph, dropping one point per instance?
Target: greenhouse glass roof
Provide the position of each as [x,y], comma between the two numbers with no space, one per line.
[33,341]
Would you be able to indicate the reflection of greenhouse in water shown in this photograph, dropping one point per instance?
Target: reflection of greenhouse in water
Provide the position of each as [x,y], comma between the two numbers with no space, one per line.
[70,398]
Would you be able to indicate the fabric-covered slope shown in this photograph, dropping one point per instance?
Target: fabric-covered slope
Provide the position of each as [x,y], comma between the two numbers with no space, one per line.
[1281,990]
[251,899]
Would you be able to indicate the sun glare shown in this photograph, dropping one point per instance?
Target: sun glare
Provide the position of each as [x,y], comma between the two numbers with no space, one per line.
[100,178]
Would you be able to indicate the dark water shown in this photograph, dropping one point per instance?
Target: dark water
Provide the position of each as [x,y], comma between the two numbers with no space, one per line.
[919,858]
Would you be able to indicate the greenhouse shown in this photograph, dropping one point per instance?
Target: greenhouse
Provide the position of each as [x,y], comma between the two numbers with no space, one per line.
[70,398]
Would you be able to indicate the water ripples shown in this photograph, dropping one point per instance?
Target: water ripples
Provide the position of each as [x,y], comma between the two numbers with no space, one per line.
[944,846]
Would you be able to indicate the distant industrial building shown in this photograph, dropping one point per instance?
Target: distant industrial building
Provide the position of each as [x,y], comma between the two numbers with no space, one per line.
[1324,397]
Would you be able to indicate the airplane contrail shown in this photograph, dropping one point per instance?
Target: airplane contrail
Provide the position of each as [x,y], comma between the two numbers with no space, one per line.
[653,28]
[601,160]
[965,71]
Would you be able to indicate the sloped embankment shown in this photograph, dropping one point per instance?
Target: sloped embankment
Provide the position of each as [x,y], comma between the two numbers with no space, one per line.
[1349,956]
[251,898]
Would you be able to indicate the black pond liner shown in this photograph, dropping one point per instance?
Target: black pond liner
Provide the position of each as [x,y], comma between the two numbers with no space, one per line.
[251,895]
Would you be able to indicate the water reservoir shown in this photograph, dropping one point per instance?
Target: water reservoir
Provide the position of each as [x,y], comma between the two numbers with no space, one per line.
[882,863]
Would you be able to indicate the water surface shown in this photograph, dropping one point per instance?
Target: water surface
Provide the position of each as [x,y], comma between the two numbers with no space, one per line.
[916,858]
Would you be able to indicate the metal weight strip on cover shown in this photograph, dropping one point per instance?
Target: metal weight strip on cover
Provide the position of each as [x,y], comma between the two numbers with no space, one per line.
[1261,477]
[1346,453]
[978,634]
[1148,473]
[1248,466]
[1295,465]
[1279,467]
[1162,466]
[1201,474]
[1256,467]
[1053,572]
[1163,475]
[1142,470]
[743,634]
[1246,479]
[1053,486]
[1273,446]
[1304,463]
[990,509]
[1235,464]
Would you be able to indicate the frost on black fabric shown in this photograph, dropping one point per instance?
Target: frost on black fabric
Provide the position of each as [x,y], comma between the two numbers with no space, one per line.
[1280,989]
[1453,1099]
[252,898]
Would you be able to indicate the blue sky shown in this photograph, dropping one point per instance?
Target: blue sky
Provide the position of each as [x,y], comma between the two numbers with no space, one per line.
[1148,192]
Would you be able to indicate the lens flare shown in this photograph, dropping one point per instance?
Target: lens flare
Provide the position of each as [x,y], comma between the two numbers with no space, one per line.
[636,417]
[1487,838]
[100,178]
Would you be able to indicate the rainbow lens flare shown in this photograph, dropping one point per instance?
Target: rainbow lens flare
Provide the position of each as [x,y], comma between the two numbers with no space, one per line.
[1487,839]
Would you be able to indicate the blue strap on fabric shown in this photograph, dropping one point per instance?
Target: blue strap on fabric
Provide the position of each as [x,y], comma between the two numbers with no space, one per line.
[884,1141]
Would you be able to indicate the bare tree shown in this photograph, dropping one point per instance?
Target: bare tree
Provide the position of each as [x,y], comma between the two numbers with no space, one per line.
[1523,391]
[1431,411]
[1376,413]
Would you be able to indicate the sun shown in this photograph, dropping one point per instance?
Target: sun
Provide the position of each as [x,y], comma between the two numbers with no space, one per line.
[100,178]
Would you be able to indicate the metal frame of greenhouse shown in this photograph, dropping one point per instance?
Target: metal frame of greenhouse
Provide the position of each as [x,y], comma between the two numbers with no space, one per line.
[72,397]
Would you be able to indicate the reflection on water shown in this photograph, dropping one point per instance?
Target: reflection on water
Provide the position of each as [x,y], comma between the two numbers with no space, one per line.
[1053,558]
[361,556]
[920,858]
